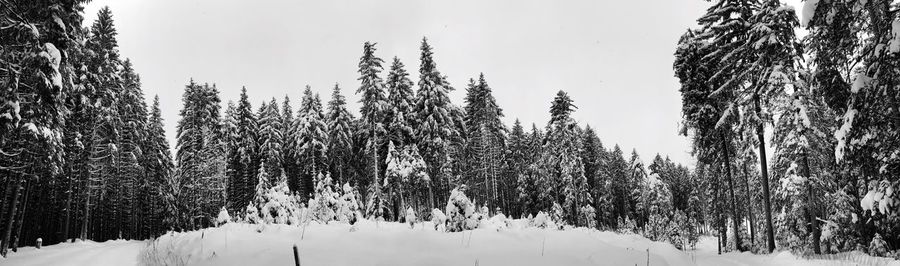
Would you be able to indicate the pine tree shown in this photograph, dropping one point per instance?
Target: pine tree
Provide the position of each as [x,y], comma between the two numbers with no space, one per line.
[37,78]
[560,165]
[854,47]
[132,142]
[433,115]
[340,132]
[372,115]
[485,139]
[514,163]
[594,158]
[270,140]
[105,86]
[803,160]
[311,140]
[159,167]
[400,117]
[289,160]
[708,110]
[197,193]
[619,175]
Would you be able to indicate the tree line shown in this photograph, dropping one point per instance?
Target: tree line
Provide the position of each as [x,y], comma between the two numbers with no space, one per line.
[83,155]
[828,99]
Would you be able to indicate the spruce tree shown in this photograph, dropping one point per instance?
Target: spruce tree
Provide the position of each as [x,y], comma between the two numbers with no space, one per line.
[594,158]
[132,142]
[159,167]
[561,168]
[486,139]
[195,196]
[400,117]
[436,126]
[289,160]
[270,140]
[340,133]
[311,140]
[372,115]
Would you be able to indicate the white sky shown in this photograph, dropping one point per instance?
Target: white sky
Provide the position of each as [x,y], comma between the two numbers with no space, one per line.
[613,57]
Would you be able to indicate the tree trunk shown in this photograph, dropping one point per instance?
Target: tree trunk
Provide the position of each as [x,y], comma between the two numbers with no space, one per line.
[770,232]
[718,212]
[749,207]
[87,214]
[11,214]
[810,208]
[734,217]
[377,196]
[66,225]
[18,235]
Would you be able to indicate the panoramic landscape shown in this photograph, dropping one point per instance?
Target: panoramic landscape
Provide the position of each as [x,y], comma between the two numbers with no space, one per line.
[724,132]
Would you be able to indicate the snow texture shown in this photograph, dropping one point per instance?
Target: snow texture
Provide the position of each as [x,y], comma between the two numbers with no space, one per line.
[396,244]
[809,10]
[895,40]
[841,134]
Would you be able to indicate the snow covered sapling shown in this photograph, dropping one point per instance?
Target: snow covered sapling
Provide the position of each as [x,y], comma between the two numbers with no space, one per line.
[280,206]
[461,214]
[438,219]
[556,214]
[251,215]
[587,216]
[325,202]
[542,220]
[348,206]
[878,247]
[223,217]
[411,217]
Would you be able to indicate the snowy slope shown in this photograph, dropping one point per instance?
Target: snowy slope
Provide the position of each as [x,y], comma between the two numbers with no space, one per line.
[118,252]
[397,244]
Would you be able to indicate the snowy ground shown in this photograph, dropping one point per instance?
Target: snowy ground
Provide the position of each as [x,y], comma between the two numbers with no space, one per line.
[395,244]
[117,252]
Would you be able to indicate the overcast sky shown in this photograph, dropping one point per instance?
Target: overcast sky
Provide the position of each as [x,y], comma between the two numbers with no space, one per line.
[613,57]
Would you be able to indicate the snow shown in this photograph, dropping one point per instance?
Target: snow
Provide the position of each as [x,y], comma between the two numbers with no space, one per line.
[55,58]
[114,252]
[223,216]
[397,244]
[841,134]
[868,202]
[809,10]
[860,82]
[895,40]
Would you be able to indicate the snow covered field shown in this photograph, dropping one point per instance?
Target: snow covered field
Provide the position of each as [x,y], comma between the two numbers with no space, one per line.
[396,244]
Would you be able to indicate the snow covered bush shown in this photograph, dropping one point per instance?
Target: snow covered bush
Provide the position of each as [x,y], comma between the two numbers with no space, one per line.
[687,231]
[878,247]
[626,226]
[348,206]
[251,215]
[542,220]
[280,206]
[411,217]
[587,216]
[438,219]
[658,228]
[556,214]
[498,222]
[223,217]
[273,205]
[461,214]
[324,204]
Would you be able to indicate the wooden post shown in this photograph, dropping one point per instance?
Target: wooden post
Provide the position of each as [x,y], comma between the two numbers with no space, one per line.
[296,256]
[648,256]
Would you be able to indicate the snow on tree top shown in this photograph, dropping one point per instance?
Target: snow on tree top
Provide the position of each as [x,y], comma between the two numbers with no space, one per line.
[809,10]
